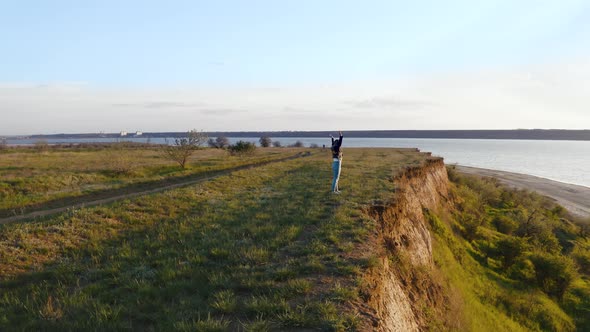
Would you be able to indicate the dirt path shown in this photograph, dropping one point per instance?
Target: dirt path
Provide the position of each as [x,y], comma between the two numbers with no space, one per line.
[140,192]
[575,199]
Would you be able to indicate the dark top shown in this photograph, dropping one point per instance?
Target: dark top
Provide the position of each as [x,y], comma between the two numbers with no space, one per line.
[336,144]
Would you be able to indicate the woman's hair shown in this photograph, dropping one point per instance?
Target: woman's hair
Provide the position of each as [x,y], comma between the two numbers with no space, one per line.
[336,141]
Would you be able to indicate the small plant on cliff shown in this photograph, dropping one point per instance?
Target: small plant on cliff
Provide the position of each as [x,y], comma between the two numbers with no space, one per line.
[184,147]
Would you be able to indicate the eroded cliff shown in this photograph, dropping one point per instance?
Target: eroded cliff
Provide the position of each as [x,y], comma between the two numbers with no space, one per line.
[404,293]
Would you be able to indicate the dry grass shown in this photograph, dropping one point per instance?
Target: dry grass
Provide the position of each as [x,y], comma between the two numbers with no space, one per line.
[267,248]
[30,178]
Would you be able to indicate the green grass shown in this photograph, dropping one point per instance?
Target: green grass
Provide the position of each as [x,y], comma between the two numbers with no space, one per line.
[29,177]
[263,249]
[495,297]
[271,249]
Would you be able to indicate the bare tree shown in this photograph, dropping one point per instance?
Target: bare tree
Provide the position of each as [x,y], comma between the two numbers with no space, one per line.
[221,142]
[41,145]
[184,147]
[297,144]
[211,143]
[3,144]
[265,141]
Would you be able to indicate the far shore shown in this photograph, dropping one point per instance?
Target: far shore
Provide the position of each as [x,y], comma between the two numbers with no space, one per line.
[576,199]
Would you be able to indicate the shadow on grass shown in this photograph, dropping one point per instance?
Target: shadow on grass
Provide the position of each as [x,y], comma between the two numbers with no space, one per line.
[98,195]
[183,259]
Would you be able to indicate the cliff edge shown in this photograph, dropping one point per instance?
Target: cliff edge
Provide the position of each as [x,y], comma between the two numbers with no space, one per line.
[402,288]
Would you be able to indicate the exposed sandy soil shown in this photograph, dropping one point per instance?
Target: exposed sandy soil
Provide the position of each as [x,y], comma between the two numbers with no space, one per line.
[573,197]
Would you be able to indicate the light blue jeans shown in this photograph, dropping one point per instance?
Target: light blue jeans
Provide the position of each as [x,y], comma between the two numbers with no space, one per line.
[336,167]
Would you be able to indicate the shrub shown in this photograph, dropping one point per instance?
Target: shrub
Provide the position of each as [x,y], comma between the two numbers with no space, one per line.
[41,145]
[314,146]
[523,270]
[221,142]
[452,173]
[265,141]
[529,224]
[297,144]
[470,225]
[3,144]
[582,258]
[242,148]
[504,224]
[547,241]
[509,249]
[553,273]
[276,144]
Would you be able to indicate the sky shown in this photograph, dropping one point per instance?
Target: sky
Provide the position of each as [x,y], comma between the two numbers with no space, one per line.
[107,66]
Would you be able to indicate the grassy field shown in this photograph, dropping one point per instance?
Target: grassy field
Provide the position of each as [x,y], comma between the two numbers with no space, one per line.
[33,179]
[260,249]
[271,248]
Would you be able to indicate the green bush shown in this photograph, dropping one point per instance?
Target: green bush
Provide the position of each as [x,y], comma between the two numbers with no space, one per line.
[547,241]
[265,141]
[553,273]
[509,249]
[522,270]
[582,258]
[242,148]
[504,224]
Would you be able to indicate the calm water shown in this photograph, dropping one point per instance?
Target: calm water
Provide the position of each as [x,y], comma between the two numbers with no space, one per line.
[565,161]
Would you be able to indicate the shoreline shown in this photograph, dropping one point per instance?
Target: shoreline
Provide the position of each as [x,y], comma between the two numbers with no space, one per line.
[575,198]
[540,177]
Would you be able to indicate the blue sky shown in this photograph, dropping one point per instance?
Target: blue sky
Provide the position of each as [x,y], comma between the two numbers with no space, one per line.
[118,48]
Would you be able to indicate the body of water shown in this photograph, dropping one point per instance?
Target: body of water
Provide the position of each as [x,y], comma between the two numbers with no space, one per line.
[565,161]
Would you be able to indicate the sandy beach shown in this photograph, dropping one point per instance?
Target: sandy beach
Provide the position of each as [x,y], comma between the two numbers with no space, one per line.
[573,197]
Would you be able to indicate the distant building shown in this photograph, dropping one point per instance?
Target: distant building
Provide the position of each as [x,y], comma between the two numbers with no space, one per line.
[123,134]
[138,133]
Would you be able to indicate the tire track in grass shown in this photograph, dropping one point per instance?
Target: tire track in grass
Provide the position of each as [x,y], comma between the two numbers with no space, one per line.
[114,198]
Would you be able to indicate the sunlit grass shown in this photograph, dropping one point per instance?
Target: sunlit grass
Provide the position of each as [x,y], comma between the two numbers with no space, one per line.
[30,177]
[267,248]
[495,298]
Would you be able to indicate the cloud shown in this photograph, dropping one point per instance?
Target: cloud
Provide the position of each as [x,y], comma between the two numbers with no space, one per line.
[217,63]
[160,104]
[389,103]
[550,96]
[221,111]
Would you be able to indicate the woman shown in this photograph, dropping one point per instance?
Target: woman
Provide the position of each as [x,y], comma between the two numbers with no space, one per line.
[336,161]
